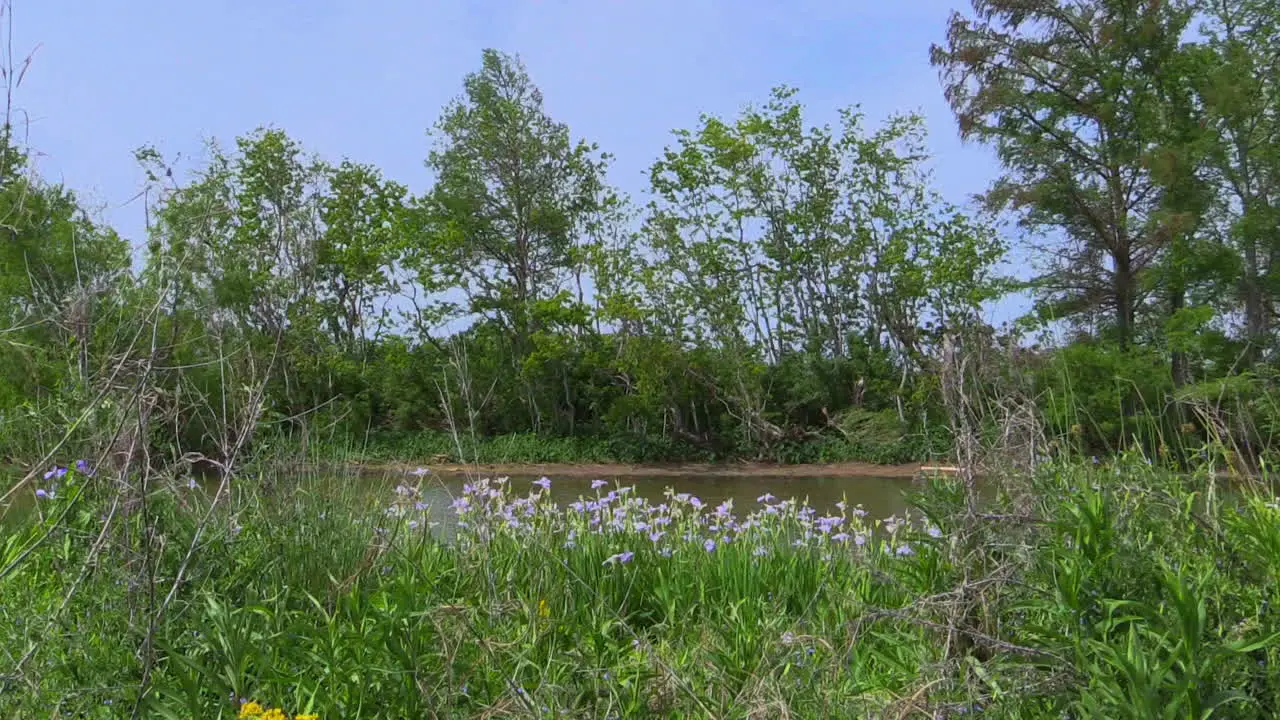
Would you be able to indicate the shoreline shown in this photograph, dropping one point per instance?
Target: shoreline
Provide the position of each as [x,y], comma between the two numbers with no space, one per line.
[620,470]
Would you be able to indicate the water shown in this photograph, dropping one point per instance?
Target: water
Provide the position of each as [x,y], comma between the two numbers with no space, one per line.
[879,496]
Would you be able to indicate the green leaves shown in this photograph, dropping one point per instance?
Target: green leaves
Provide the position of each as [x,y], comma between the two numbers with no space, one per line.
[508,225]
[513,196]
[795,238]
[1070,96]
[365,233]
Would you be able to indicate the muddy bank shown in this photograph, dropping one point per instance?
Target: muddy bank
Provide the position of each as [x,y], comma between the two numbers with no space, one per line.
[607,470]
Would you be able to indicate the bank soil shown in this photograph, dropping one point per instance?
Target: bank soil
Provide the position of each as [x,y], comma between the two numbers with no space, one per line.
[609,470]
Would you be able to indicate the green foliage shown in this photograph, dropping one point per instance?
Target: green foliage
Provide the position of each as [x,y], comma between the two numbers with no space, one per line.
[777,278]
[784,293]
[1120,591]
[797,247]
[63,280]
[1105,398]
[1053,87]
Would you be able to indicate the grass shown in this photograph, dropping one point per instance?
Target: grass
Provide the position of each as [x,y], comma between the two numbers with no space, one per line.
[1084,591]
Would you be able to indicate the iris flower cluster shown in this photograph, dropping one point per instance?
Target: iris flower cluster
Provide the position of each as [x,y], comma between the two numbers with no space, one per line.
[57,475]
[488,509]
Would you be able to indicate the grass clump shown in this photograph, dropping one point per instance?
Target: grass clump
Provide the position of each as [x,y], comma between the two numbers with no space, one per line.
[1083,591]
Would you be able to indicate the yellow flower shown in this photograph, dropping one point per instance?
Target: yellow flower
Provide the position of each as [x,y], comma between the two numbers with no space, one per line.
[543,609]
[250,709]
[306,717]
[275,714]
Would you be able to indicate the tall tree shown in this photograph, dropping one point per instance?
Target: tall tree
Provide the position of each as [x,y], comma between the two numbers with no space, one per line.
[245,232]
[1068,93]
[236,251]
[364,226]
[507,219]
[1239,92]
[796,238]
[769,241]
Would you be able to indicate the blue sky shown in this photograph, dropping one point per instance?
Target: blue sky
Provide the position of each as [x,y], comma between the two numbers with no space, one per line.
[365,80]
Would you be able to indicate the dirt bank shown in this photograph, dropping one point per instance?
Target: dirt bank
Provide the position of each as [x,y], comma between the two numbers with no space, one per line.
[603,470]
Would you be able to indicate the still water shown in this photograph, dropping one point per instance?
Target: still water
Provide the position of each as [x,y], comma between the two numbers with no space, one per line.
[879,496]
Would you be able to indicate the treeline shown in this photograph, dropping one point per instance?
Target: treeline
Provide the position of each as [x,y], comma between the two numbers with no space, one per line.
[782,290]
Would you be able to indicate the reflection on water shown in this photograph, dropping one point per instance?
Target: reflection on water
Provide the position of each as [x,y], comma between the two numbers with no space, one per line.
[879,496]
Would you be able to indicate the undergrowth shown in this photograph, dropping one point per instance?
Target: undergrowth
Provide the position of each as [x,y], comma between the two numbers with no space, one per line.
[869,445]
[1117,591]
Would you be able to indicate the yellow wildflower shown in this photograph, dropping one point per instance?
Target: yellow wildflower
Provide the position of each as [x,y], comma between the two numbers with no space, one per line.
[250,709]
[308,716]
[543,609]
[275,714]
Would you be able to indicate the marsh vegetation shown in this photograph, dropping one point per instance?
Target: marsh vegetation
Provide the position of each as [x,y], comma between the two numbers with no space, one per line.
[180,538]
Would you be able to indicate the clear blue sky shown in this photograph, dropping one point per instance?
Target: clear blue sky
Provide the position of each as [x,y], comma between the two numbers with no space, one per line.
[366,79]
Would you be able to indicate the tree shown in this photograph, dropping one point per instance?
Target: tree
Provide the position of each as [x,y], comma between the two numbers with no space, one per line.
[56,268]
[514,197]
[1239,103]
[1069,94]
[245,232]
[364,226]
[769,241]
[260,254]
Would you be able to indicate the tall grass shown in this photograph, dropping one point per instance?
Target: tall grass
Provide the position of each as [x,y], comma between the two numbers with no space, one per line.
[1118,591]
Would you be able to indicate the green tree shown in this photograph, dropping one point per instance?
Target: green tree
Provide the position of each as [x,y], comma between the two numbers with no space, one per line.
[1070,95]
[507,221]
[1239,104]
[57,267]
[768,240]
[364,233]
[274,267]
[245,231]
